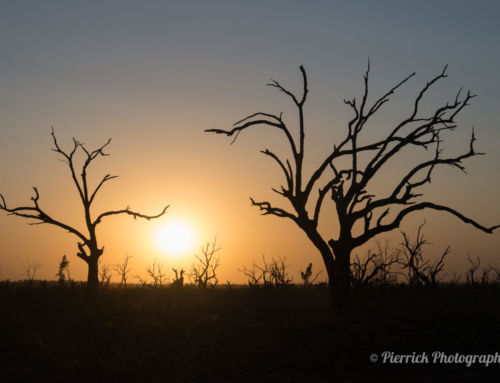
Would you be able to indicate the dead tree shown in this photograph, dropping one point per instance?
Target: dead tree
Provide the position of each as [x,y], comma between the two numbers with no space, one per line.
[388,258]
[496,273]
[347,172]
[254,275]
[31,268]
[472,278]
[204,271]
[156,272]
[269,274]
[123,270]
[278,271]
[420,271]
[375,269]
[88,245]
[105,276]
[178,282]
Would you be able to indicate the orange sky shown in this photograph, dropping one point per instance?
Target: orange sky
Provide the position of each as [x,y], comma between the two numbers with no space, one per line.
[154,77]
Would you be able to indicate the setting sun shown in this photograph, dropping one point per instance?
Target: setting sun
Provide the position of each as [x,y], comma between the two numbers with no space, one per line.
[175,238]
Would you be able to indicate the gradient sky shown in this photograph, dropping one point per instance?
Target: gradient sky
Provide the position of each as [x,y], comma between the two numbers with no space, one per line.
[154,74]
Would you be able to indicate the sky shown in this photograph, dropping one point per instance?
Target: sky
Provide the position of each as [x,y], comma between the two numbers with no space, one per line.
[153,75]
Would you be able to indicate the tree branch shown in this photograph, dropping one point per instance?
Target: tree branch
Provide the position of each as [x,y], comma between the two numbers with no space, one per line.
[107,177]
[270,210]
[420,206]
[36,213]
[129,212]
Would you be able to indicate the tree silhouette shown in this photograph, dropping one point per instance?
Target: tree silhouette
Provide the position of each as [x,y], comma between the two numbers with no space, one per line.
[88,247]
[346,173]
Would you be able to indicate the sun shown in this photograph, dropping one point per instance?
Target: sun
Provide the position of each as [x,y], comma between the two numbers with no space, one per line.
[175,238]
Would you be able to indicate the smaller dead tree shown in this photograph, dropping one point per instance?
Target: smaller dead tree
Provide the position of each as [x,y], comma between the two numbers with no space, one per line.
[388,258]
[376,268]
[272,274]
[203,272]
[472,274]
[279,272]
[178,282]
[307,278]
[63,273]
[104,276]
[123,270]
[143,281]
[31,268]
[156,272]
[363,272]
[254,275]
[496,273]
[420,271]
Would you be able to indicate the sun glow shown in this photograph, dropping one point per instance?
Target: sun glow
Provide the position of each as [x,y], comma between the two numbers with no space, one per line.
[175,238]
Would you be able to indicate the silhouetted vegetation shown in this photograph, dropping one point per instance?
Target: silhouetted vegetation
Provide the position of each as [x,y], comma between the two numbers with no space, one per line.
[204,270]
[474,276]
[31,268]
[346,174]
[268,274]
[307,276]
[123,270]
[164,327]
[104,276]
[420,271]
[178,281]
[63,273]
[88,247]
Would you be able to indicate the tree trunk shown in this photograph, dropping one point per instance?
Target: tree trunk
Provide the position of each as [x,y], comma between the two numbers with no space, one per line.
[340,286]
[93,275]
[338,269]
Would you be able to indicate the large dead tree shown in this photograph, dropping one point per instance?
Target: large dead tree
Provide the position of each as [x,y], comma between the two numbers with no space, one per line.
[88,246]
[361,215]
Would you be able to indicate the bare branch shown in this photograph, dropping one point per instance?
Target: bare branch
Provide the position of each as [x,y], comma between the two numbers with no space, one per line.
[249,123]
[267,209]
[286,171]
[410,186]
[129,212]
[36,213]
[420,206]
[107,177]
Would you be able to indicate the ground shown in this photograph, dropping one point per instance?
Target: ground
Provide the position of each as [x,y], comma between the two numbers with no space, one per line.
[243,335]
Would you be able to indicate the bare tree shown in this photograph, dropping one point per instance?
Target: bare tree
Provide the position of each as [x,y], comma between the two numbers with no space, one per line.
[269,274]
[420,271]
[142,281]
[156,272]
[203,272]
[88,247]
[496,273]
[347,172]
[254,275]
[123,270]
[31,268]
[105,276]
[278,271]
[178,282]
[471,278]
[388,258]
[375,269]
